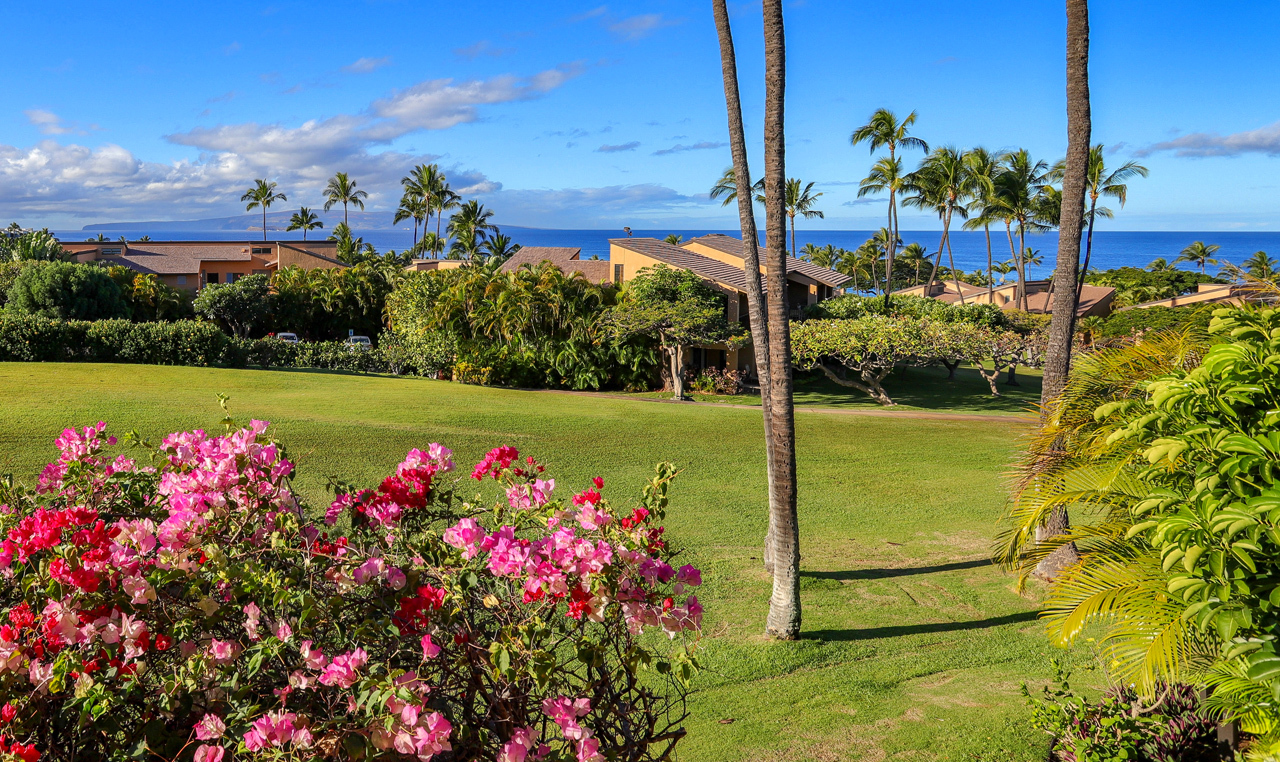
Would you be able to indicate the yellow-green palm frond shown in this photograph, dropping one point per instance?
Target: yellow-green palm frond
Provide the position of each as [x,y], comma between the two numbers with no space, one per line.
[1145,638]
[1236,697]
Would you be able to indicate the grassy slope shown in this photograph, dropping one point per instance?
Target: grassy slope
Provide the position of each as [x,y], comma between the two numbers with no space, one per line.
[914,646]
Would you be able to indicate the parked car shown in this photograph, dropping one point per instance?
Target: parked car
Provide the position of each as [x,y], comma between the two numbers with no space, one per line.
[359,342]
[288,338]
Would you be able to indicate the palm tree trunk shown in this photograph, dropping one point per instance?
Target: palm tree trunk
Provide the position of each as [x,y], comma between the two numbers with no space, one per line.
[344,215]
[756,308]
[1062,324]
[951,262]
[893,242]
[264,223]
[1088,249]
[793,235]
[937,260]
[784,604]
[1019,261]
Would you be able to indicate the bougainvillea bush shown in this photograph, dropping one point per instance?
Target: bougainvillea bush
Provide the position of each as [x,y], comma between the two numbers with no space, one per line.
[176,602]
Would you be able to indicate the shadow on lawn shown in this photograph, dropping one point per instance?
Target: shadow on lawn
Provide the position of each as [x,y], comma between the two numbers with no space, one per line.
[908,571]
[897,631]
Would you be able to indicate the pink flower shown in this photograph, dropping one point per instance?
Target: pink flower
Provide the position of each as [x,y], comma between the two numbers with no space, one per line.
[464,535]
[222,651]
[342,670]
[589,750]
[517,749]
[209,753]
[283,631]
[429,650]
[139,590]
[313,657]
[396,578]
[252,613]
[689,575]
[210,728]
[275,729]
[565,712]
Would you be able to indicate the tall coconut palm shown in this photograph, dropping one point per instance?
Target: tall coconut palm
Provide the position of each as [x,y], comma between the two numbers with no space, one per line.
[263,194]
[883,130]
[727,188]
[304,219]
[1018,189]
[1160,265]
[983,167]
[443,199]
[800,201]
[1261,266]
[1199,254]
[499,248]
[472,220]
[823,256]
[1101,184]
[943,185]
[1075,181]
[886,175]
[757,309]
[914,255]
[412,207]
[342,190]
[420,183]
[784,604]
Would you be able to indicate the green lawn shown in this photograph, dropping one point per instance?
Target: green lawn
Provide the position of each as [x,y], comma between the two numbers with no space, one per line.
[914,646]
[911,388]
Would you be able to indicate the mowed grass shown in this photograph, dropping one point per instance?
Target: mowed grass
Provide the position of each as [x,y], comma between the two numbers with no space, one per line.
[911,389]
[914,645]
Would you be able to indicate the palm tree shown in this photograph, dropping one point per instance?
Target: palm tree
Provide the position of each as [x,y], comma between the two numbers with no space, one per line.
[342,190]
[420,183]
[1062,324]
[757,309]
[304,219]
[800,202]
[884,130]
[784,604]
[1199,254]
[429,244]
[443,199]
[262,194]
[499,248]
[727,186]
[412,207]
[674,239]
[983,168]
[1017,191]
[1261,266]
[1160,265]
[913,254]
[886,175]
[472,220]
[823,256]
[1099,184]
[942,183]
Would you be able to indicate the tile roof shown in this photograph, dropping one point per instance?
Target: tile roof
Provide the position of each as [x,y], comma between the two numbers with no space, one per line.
[177,259]
[532,255]
[1090,297]
[711,269]
[730,245]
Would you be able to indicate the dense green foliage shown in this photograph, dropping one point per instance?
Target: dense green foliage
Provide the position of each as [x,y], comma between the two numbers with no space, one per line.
[33,246]
[1125,324]
[1134,285]
[535,327]
[238,308]
[66,291]
[8,274]
[851,306]
[1167,453]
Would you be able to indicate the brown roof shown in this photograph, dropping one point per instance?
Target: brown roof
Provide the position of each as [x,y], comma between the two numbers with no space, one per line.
[730,245]
[177,259]
[711,269]
[313,254]
[533,255]
[1090,297]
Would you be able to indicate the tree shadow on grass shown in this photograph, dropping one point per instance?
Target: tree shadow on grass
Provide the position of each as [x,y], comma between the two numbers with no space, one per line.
[897,631]
[908,571]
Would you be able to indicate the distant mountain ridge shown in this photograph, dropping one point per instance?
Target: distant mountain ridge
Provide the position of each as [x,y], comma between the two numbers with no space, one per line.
[276,221]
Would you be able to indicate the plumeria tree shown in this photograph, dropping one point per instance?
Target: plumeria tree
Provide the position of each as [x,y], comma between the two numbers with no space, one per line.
[177,603]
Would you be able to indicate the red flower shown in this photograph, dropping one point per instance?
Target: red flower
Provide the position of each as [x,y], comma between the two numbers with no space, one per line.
[8,713]
[163,642]
[21,616]
[599,482]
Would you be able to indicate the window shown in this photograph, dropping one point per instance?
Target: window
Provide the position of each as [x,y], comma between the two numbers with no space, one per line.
[182,280]
[617,273]
[111,252]
[211,278]
[261,250]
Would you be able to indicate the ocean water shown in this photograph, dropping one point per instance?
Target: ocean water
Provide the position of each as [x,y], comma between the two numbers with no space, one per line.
[1110,248]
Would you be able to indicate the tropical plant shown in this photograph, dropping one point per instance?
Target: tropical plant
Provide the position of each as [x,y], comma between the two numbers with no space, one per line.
[413,208]
[883,130]
[1160,265]
[800,199]
[1199,254]
[432,627]
[443,199]
[32,246]
[727,187]
[983,167]
[262,195]
[1260,266]
[304,219]
[674,239]
[1018,187]
[680,310]
[420,185]
[342,190]
[823,256]
[499,248]
[942,184]
[469,227]
[239,308]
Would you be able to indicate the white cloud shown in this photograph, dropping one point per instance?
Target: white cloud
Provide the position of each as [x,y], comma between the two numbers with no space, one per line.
[366,65]
[481,48]
[47,122]
[1264,140]
[636,27]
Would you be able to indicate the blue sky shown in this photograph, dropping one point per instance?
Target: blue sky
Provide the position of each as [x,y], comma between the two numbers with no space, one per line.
[586,115]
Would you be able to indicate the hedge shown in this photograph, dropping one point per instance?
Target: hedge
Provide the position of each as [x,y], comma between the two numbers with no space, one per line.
[853,307]
[26,338]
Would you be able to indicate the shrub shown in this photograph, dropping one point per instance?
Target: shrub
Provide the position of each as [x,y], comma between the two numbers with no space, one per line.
[8,274]
[1128,323]
[32,246]
[240,307]
[190,609]
[66,291]
[716,381]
